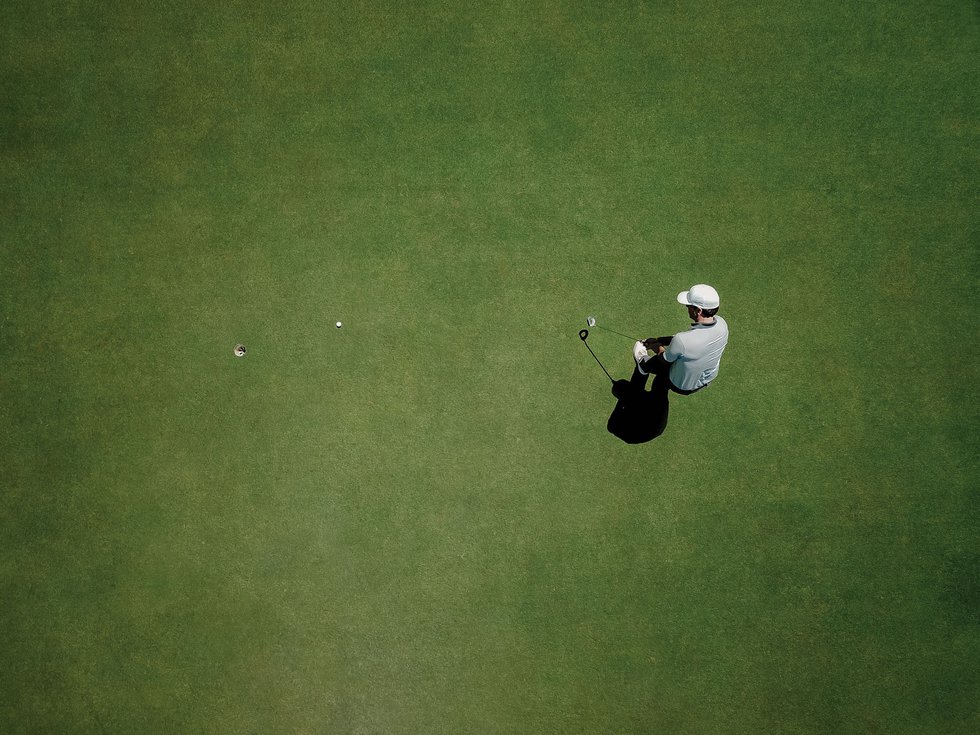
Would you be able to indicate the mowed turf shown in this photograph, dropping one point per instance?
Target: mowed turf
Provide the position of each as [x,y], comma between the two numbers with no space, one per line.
[419,523]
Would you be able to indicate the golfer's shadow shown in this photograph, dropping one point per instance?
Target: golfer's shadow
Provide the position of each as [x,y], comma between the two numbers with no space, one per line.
[640,415]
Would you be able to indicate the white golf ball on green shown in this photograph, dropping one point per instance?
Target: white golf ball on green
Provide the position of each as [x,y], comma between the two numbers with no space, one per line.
[339,325]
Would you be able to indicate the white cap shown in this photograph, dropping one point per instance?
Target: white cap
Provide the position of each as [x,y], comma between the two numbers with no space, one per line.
[702,296]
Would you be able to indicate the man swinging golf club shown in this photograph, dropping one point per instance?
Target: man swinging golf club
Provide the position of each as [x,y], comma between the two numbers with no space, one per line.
[688,361]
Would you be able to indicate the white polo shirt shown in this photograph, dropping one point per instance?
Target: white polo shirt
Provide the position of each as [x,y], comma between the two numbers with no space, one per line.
[696,354]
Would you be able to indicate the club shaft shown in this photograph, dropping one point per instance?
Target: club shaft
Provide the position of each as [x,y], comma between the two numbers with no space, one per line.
[632,339]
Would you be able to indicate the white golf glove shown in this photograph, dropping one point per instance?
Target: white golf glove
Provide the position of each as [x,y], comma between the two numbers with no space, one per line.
[640,354]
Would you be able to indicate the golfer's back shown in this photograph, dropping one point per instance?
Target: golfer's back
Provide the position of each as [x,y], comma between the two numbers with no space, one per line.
[695,355]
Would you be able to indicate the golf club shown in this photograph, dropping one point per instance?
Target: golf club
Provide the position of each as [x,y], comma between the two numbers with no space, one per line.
[584,335]
[590,320]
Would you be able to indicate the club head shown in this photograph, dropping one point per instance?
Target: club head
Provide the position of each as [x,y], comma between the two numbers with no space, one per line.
[583,334]
[590,320]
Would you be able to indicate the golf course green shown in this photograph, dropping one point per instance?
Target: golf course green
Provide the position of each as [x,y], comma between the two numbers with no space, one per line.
[419,522]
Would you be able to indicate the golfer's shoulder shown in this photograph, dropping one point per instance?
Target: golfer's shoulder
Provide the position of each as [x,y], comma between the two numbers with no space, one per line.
[722,323]
[679,343]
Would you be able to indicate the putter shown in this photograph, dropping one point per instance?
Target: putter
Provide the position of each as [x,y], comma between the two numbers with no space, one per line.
[590,320]
[584,335]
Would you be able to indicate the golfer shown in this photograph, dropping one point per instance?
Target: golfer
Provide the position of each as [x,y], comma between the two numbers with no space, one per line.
[688,361]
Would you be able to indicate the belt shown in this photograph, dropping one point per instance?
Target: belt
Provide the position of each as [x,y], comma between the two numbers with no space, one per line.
[686,392]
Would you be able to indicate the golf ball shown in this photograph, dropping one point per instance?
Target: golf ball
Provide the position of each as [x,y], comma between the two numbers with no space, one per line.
[339,325]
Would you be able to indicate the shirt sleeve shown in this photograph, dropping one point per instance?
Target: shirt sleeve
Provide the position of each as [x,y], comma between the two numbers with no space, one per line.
[674,350]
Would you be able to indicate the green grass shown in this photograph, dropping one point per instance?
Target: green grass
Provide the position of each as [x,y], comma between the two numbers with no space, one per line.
[419,523]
